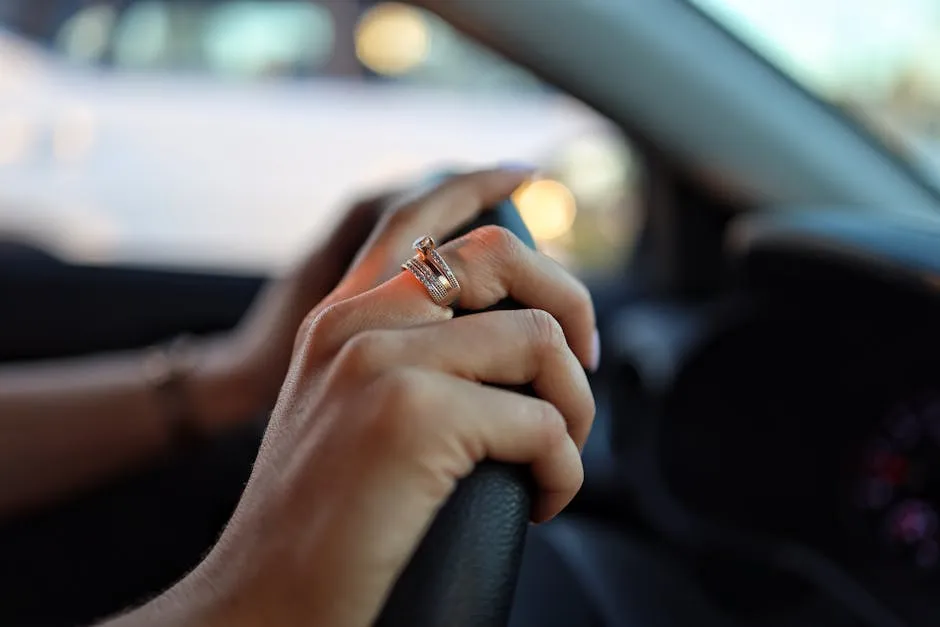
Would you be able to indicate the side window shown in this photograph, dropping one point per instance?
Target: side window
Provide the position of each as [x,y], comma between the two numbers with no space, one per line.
[877,61]
[228,133]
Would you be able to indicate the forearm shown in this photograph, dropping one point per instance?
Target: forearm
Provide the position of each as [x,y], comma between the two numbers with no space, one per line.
[72,424]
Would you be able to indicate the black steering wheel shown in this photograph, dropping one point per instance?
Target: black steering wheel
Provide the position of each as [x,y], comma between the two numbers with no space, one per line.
[464,572]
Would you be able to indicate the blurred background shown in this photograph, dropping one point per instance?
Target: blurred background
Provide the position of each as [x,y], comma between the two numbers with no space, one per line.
[229,133]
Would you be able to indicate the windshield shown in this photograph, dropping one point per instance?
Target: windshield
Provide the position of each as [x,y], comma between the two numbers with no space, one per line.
[232,132]
[251,39]
[877,60]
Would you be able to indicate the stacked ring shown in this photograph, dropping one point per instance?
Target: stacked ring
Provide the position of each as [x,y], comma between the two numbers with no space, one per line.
[429,267]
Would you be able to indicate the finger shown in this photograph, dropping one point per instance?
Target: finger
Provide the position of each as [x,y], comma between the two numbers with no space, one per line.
[438,212]
[491,264]
[447,425]
[499,347]
[513,428]
[316,273]
[357,225]
[455,202]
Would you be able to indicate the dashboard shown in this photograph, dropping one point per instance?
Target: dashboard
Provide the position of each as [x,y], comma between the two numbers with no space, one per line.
[802,428]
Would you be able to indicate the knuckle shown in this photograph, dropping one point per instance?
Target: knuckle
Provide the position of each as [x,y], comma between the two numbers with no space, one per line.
[544,330]
[363,352]
[497,240]
[554,428]
[400,397]
[305,330]
[328,320]
[402,391]
[319,327]
[547,413]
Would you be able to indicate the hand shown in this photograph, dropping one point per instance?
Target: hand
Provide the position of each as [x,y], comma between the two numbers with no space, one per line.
[240,374]
[385,407]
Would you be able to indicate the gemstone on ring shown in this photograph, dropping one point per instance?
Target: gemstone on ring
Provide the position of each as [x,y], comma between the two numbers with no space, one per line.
[424,245]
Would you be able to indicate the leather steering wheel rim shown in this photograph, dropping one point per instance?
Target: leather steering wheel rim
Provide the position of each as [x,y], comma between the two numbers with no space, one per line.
[464,572]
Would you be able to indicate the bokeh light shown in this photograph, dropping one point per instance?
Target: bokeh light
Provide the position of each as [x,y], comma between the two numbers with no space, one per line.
[247,38]
[143,36]
[392,39]
[547,207]
[595,167]
[84,36]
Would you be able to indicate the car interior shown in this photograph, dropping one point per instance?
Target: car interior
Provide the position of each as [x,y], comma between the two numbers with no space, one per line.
[767,445]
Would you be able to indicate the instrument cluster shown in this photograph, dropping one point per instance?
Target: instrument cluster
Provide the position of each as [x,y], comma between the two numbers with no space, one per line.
[898,488]
[820,431]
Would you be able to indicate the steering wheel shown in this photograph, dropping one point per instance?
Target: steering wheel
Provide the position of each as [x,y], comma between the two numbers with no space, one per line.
[464,572]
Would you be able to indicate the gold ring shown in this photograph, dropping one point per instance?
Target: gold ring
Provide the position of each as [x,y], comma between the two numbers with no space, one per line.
[429,267]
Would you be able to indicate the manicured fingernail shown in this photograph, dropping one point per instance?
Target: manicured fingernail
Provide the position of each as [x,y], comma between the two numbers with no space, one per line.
[596,352]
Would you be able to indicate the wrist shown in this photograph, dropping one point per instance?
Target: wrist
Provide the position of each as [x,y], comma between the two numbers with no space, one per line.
[222,389]
[200,388]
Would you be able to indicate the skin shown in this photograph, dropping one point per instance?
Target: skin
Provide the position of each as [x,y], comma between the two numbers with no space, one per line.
[65,427]
[384,407]
[70,425]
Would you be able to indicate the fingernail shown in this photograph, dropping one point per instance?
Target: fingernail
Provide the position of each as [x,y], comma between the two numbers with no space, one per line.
[595,352]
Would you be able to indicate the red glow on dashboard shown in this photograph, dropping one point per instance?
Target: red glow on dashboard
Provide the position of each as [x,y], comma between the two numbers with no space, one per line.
[890,468]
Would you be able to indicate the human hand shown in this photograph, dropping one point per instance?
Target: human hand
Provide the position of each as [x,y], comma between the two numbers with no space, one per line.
[240,373]
[385,407]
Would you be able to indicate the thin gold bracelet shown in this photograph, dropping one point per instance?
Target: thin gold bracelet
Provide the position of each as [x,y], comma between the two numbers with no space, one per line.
[168,368]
